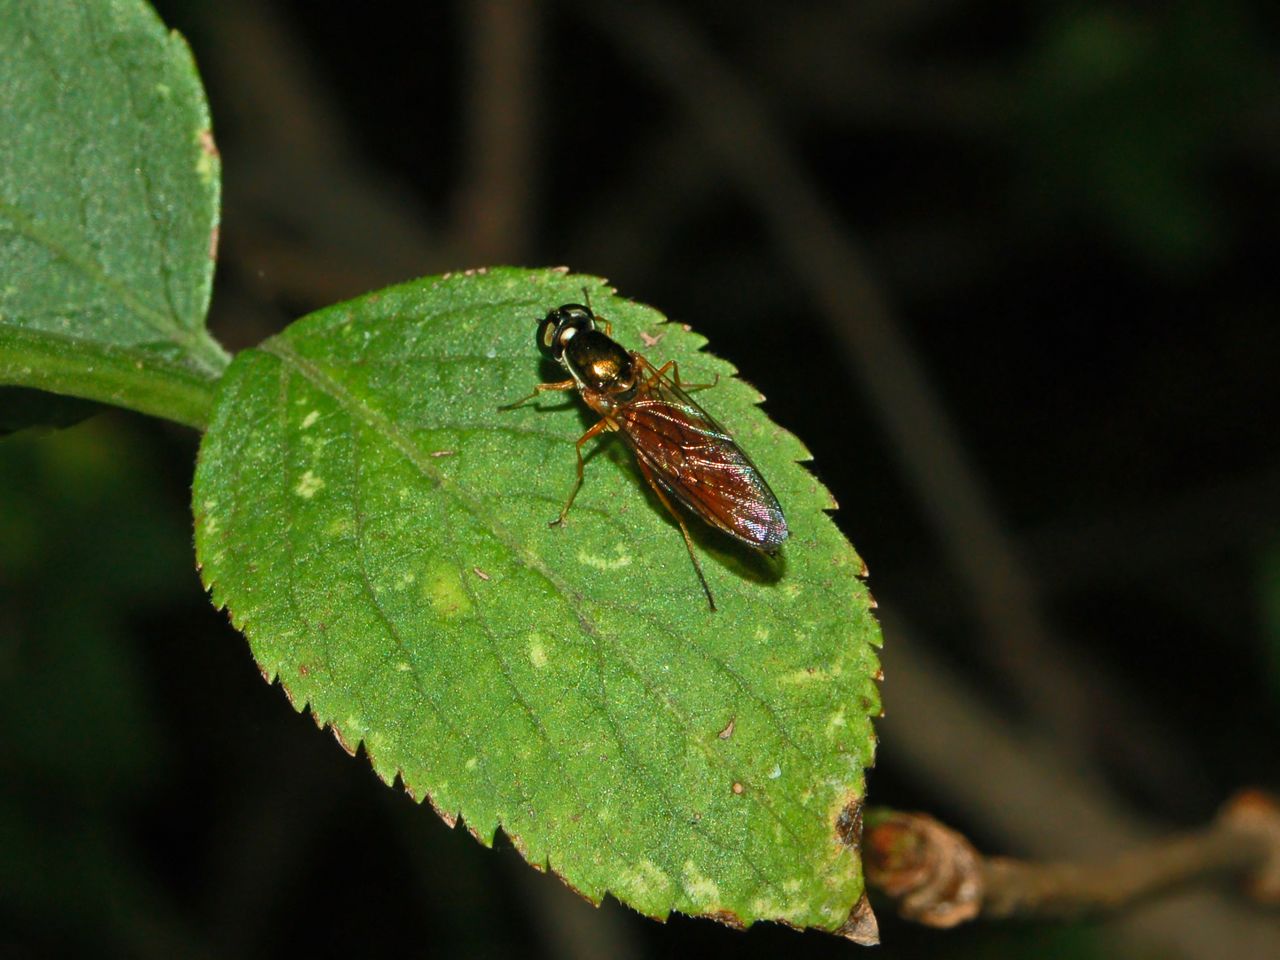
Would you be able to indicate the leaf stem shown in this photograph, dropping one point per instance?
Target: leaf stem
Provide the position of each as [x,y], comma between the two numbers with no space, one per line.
[207,353]
[154,384]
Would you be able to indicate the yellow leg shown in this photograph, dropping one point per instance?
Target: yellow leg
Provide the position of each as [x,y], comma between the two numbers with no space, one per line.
[593,432]
[688,540]
[538,391]
[675,368]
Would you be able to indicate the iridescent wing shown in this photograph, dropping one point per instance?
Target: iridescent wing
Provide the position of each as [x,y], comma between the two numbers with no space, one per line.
[695,460]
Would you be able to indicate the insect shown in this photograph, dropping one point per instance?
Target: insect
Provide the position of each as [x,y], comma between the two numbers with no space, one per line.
[682,452]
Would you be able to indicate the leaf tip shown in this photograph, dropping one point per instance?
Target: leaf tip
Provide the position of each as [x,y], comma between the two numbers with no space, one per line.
[861,927]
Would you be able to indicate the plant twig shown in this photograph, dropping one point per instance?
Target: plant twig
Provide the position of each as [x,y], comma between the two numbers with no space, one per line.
[495,198]
[306,218]
[1017,788]
[935,877]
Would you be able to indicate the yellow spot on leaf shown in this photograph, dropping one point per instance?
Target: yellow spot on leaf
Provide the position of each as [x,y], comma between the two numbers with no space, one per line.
[807,675]
[702,890]
[835,722]
[537,652]
[647,879]
[308,486]
[310,418]
[443,589]
[794,912]
[623,559]
[206,165]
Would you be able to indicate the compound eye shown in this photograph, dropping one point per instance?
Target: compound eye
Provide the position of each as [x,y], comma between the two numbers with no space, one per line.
[560,325]
[547,331]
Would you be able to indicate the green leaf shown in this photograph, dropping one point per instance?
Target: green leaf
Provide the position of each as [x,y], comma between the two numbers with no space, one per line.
[109,184]
[380,532]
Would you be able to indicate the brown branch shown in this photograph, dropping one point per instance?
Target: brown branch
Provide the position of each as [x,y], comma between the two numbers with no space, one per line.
[306,218]
[935,877]
[1017,788]
[493,206]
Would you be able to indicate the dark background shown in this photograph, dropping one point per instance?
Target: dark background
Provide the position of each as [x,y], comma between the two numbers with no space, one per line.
[1001,267]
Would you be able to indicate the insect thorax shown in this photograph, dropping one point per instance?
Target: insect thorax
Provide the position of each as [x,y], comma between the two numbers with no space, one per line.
[598,362]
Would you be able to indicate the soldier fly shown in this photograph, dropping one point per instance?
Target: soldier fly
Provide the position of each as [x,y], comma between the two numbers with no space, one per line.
[682,452]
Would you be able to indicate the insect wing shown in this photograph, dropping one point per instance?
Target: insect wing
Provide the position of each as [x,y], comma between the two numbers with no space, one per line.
[697,461]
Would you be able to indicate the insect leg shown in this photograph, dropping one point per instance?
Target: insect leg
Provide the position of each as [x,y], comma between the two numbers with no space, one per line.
[593,432]
[608,327]
[675,368]
[538,391]
[688,540]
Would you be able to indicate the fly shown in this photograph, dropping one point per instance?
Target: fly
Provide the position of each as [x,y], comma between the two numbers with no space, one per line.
[682,452]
